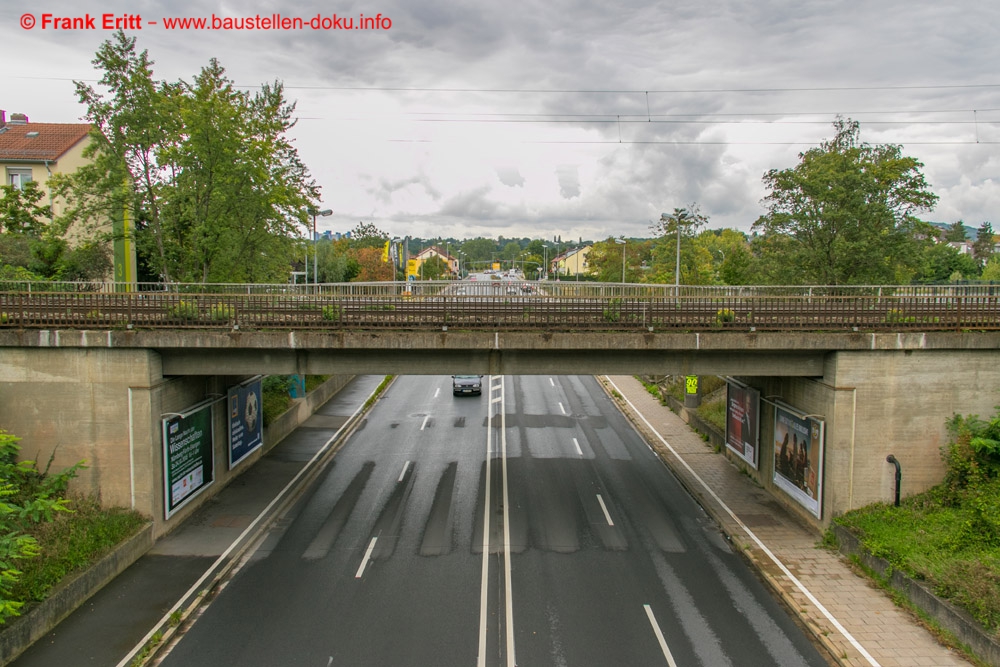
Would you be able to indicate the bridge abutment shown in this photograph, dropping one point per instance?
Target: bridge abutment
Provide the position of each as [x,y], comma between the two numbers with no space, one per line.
[104,407]
[876,403]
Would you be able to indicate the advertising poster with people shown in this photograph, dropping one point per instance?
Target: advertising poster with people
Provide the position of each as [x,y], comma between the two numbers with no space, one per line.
[798,458]
[742,423]
[188,456]
[246,431]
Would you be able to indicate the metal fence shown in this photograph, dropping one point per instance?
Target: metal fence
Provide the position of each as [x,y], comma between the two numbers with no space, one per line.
[509,305]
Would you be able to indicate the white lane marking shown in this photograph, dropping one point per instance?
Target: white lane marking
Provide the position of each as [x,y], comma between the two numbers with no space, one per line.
[196,586]
[552,382]
[659,636]
[511,662]
[403,474]
[562,408]
[774,559]
[368,555]
[604,508]
[484,582]
[425,422]
[576,443]
[437,392]
[496,400]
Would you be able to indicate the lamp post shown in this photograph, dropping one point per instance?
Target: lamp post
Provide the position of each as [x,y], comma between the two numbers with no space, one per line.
[622,242]
[679,217]
[325,212]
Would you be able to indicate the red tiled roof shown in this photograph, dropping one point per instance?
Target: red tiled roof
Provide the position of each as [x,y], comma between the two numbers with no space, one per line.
[52,140]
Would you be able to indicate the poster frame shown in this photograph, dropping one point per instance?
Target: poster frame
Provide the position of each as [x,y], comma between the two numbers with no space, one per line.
[816,428]
[753,460]
[208,466]
[241,393]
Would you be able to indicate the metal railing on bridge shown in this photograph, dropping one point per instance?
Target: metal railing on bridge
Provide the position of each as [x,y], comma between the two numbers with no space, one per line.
[498,304]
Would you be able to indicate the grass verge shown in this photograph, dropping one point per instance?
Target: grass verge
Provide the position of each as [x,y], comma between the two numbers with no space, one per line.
[72,542]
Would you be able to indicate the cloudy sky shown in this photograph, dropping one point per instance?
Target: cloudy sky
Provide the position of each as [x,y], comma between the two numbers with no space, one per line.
[576,119]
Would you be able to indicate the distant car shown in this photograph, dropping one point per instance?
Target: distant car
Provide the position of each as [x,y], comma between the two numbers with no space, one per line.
[466,384]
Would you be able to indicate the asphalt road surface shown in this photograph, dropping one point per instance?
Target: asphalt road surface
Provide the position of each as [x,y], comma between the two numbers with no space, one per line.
[594,553]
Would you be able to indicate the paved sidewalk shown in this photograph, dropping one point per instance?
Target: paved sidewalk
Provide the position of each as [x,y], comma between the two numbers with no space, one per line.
[858,623]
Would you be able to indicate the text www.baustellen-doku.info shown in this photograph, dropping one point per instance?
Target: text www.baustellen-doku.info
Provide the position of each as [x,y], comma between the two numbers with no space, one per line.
[53,22]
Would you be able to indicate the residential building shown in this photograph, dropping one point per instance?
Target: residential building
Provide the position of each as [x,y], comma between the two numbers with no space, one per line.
[570,263]
[440,253]
[37,151]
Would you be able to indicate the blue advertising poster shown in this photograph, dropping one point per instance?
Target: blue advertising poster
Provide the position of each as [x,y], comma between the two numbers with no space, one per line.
[188,456]
[246,430]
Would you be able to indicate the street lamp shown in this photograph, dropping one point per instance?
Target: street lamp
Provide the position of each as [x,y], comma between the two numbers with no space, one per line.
[325,212]
[622,242]
[679,217]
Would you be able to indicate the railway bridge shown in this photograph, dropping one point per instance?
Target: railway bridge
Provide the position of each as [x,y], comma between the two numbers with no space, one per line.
[90,371]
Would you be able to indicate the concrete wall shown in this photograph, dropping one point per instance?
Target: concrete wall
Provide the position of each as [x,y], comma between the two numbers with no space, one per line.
[104,407]
[72,406]
[875,404]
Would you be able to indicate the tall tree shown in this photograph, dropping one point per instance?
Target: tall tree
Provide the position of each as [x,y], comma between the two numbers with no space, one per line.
[728,254]
[983,246]
[673,229]
[206,171]
[846,213]
[371,268]
[956,233]
[604,261]
[367,235]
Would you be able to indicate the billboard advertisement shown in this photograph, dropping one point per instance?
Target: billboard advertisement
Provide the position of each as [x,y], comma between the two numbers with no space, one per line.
[743,421]
[246,431]
[188,456]
[798,458]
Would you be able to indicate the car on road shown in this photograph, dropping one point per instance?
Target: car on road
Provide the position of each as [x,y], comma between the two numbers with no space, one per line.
[466,384]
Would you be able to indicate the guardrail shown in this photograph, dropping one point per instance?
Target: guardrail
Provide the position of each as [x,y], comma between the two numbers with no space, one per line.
[507,305]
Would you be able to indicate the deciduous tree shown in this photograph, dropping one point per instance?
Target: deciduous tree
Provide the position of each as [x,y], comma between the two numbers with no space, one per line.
[845,214]
[675,231]
[983,246]
[206,172]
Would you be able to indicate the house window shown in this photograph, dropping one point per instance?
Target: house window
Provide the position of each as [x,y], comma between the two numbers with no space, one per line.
[18,177]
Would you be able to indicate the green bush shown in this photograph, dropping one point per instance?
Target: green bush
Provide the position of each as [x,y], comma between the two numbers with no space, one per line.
[222,312]
[275,396]
[714,412]
[331,312]
[3,318]
[613,311]
[896,316]
[183,310]
[725,315]
[71,542]
[28,497]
